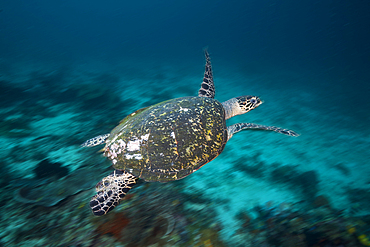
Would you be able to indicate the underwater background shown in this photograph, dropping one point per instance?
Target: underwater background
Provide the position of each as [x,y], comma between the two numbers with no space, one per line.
[71,70]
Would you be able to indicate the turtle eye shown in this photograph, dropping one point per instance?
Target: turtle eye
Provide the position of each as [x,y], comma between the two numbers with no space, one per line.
[253,101]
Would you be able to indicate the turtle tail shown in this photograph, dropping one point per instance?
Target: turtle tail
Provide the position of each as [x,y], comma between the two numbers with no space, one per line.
[110,191]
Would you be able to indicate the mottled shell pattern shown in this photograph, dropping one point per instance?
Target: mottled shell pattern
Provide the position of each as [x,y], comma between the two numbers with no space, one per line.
[169,140]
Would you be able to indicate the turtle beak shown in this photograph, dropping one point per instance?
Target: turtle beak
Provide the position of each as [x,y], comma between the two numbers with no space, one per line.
[259,101]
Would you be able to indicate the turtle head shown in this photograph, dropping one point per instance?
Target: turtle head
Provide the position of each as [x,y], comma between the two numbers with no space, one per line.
[240,105]
[248,103]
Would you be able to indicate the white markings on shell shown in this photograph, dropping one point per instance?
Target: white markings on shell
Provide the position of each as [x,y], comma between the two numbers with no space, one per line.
[116,147]
[173,135]
[145,137]
[119,147]
[183,109]
[121,143]
[133,145]
[133,156]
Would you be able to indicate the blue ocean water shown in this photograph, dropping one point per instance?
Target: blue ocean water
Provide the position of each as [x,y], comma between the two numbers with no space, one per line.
[71,70]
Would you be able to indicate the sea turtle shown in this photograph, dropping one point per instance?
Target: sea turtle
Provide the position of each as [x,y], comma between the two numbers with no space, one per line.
[169,140]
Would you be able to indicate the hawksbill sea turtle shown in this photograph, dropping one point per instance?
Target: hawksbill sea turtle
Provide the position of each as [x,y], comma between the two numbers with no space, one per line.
[170,140]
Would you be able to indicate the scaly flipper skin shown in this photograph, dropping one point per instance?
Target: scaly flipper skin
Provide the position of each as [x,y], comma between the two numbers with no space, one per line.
[242,126]
[110,191]
[97,140]
[207,88]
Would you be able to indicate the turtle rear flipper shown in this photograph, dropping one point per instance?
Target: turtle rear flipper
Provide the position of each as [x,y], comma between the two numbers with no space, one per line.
[110,191]
[97,140]
[235,128]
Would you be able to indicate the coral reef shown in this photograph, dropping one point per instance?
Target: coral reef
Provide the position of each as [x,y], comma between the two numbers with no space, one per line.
[289,225]
[5,176]
[46,169]
[14,127]
[307,182]
[152,214]
[360,197]
[11,94]
[113,225]
[50,192]
[157,216]
[252,166]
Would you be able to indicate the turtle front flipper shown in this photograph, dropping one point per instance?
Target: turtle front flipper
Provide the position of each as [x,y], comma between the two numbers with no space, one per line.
[207,88]
[97,140]
[231,130]
[110,191]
